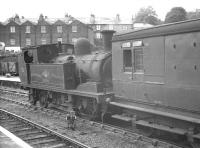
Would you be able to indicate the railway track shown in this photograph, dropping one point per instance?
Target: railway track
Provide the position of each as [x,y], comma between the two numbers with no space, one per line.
[137,138]
[36,135]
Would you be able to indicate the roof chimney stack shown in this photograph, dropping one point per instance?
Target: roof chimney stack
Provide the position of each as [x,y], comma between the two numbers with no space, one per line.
[92,19]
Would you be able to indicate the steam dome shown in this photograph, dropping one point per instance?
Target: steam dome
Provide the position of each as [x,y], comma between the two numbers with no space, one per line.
[82,46]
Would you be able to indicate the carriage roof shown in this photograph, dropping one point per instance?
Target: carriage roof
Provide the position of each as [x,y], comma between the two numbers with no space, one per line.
[160,30]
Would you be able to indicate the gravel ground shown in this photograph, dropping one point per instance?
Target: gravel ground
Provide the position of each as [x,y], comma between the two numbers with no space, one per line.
[92,136]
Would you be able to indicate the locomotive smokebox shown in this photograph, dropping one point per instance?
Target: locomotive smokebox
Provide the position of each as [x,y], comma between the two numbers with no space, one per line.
[82,46]
[107,38]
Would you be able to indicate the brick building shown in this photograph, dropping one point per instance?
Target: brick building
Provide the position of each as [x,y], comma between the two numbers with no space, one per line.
[103,23]
[28,35]
[43,31]
[21,32]
[1,32]
[60,32]
[78,29]
[12,31]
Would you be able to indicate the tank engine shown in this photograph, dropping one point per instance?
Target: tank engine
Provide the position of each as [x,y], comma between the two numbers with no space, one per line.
[80,81]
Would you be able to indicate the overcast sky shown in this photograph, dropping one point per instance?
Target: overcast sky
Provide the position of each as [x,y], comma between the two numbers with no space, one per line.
[83,8]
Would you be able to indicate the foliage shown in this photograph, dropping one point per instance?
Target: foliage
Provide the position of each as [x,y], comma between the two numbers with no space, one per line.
[176,14]
[147,15]
[193,14]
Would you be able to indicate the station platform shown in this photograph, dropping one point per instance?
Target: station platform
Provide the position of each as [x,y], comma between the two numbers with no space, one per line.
[8,140]
[13,79]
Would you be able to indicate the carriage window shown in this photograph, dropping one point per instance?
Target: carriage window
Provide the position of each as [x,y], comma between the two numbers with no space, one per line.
[138,60]
[127,58]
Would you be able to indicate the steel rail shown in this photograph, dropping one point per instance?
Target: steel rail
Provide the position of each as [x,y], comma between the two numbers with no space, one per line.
[75,143]
[137,137]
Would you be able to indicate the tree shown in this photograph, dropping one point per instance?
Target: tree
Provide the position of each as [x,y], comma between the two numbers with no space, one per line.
[176,14]
[147,15]
[193,14]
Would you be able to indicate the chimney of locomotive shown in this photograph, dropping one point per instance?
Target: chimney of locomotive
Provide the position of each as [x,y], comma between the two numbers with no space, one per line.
[107,38]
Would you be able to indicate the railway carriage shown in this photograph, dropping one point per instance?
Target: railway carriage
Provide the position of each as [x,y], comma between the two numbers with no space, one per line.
[156,77]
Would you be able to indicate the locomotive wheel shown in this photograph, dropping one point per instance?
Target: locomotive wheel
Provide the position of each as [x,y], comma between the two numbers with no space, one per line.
[43,100]
[32,100]
[87,107]
[32,97]
[91,109]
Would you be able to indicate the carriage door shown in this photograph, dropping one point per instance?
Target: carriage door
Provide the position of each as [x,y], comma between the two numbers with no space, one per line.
[137,59]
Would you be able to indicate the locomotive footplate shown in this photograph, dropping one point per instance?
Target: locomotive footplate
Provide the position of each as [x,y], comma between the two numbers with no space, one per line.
[71,92]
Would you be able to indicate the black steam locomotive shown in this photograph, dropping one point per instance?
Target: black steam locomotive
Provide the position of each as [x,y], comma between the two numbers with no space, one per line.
[151,77]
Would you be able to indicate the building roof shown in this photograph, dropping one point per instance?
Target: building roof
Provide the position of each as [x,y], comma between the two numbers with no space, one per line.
[141,25]
[69,19]
[31,20]
[105,20]
[34,21]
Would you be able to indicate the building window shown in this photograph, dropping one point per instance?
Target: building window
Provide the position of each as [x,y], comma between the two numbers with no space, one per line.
[43,41]
[74,40]
[98,35]
[59,29]
[12,41]
[12,29]
[98,27]
[110,27]
[28,29]
[59,40]
[74,28]
[28,41]
[43,29]
[127,58]
[124,27]
[138,59]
